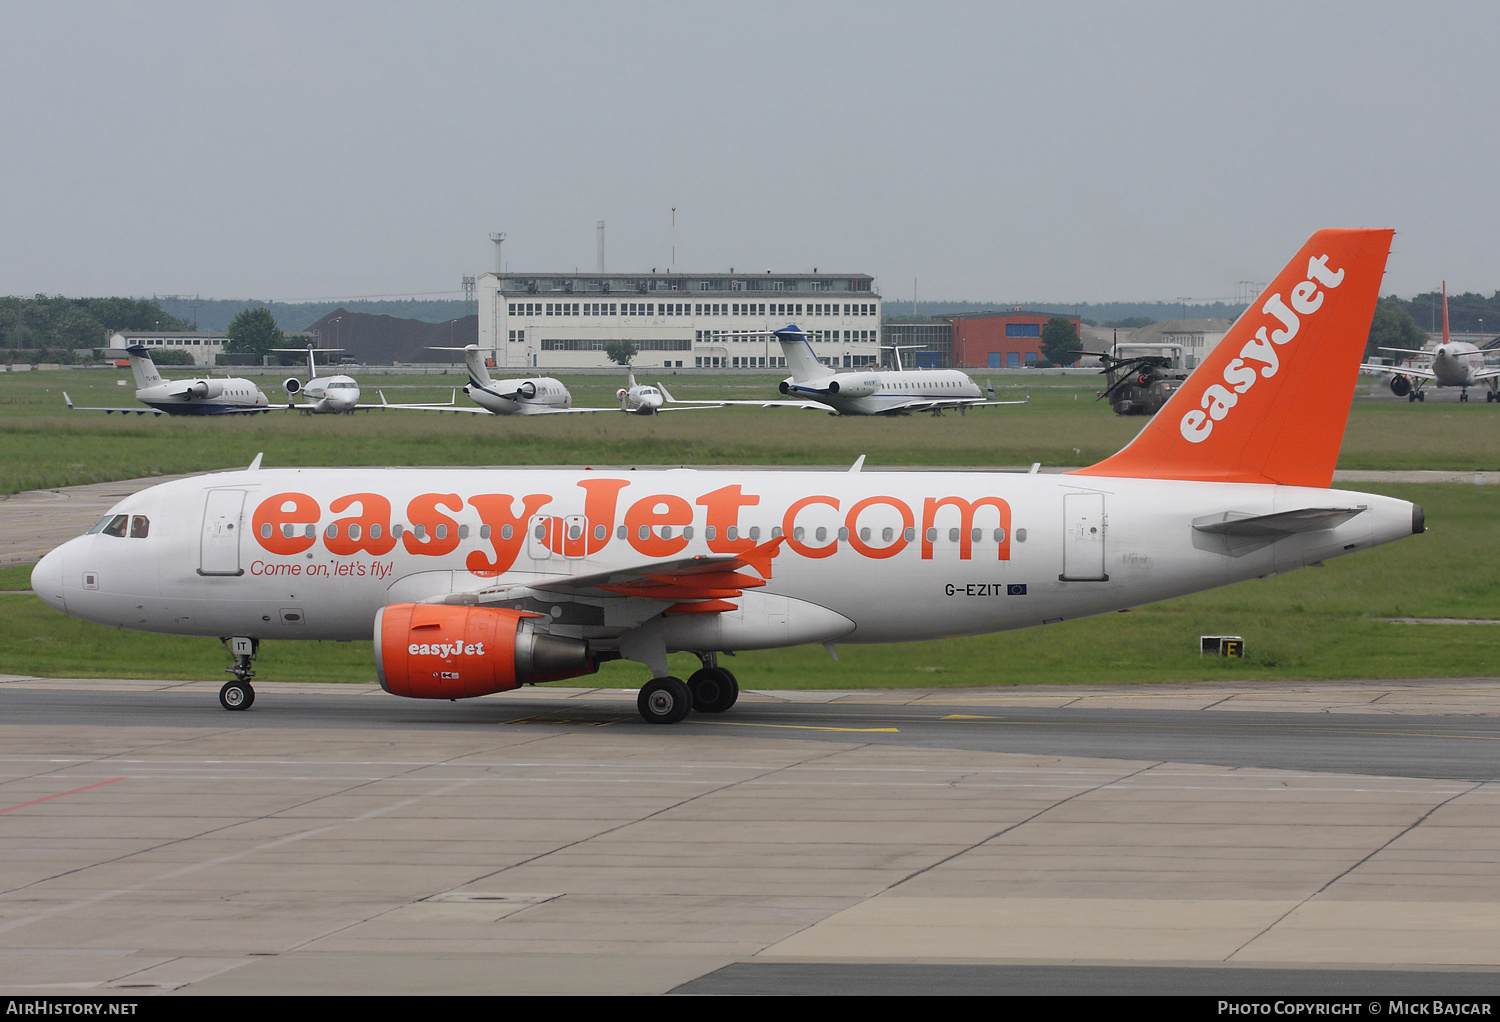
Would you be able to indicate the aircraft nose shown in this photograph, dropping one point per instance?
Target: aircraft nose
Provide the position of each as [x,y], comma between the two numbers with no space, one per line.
[47,579]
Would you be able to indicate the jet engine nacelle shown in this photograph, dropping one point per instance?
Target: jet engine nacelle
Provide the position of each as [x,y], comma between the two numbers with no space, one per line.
[293,385]
[1400,385]
[436,651]
[526,390]
[852,388]
[204,389]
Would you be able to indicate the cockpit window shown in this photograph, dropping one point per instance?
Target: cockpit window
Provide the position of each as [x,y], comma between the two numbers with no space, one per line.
[100,524]
[117,525]
[140,525]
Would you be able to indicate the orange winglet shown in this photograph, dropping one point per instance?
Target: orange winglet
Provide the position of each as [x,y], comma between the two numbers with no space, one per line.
[760,557]
[1270,403]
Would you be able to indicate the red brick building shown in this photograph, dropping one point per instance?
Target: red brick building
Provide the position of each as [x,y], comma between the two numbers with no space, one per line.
[999,340]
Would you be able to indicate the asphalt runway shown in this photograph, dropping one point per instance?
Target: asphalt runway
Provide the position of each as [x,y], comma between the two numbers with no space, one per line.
[1438,746]
[1336,838]
[1275,839]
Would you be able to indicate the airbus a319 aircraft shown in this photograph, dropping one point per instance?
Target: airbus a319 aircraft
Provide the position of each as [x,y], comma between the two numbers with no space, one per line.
[202,396]
[473,581]
[1453,364]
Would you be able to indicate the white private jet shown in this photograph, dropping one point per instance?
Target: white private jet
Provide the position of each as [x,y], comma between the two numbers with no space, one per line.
[230,395]
[865,392]
[322,395]
[644,399]
[1453,364]
[535,395]
[474,581]
[889,392]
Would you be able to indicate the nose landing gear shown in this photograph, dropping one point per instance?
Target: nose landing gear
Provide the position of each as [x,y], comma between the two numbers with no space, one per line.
[237,694]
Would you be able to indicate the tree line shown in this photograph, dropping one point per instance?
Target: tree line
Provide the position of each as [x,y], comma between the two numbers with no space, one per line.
[48,328]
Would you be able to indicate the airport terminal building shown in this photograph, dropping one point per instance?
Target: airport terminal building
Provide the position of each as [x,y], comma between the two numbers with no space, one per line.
[204,347]
[675,320]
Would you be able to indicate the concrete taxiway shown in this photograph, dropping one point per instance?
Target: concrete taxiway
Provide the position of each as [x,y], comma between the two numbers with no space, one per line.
[1205,838]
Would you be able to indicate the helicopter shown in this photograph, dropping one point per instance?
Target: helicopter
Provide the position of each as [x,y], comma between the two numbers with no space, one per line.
[1140,384]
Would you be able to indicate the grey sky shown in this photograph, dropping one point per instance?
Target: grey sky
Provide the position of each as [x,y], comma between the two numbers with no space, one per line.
[1052,152]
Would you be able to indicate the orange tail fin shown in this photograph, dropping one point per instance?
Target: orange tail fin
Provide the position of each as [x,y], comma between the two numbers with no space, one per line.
[1445,312]
[1269,405]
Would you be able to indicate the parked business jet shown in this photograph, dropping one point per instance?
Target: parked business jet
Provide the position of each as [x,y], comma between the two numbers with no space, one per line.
[322,395]
[1453,364]
[475,581]
[890,392]
[644,399]
[535,395]
[203,396]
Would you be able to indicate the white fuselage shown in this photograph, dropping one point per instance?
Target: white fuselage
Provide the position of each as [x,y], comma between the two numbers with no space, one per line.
[533,396]
[640,399]
[325,395]
[877,393]
[1454,364]
[207,396]
[868,557]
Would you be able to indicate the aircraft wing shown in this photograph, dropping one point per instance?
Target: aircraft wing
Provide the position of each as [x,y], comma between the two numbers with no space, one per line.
[630,596]
[1487,373]
[447,406]
[571,411]
[944,403]
[1384,370]
[716,403]
[137,409]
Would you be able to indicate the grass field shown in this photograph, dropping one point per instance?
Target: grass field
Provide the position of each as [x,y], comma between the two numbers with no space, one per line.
[1063,425]
[1314,623]
[1309,624]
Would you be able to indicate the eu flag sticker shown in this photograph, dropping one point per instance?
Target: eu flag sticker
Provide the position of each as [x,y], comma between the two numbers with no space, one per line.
[1016,590]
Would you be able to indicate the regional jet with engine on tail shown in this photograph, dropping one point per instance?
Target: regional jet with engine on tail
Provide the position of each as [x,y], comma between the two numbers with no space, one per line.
[321,395]
[474,581]
[535,395]
[231,395]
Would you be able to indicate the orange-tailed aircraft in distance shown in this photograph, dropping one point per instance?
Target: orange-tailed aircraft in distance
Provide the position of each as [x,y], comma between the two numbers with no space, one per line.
[1452,364]
[474,581]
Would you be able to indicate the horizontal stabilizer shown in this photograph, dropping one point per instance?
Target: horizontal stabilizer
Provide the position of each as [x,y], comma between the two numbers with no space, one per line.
[1282,523]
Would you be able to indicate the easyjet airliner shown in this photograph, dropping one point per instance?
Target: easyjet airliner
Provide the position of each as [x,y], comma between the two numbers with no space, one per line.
[472,582]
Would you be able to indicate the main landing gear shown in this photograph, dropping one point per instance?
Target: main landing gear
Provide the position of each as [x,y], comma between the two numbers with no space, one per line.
[237,694]
[713,689]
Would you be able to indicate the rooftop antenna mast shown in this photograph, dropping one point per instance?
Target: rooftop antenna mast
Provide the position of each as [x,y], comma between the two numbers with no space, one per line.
[498,239]
[601,246]
[673,266]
